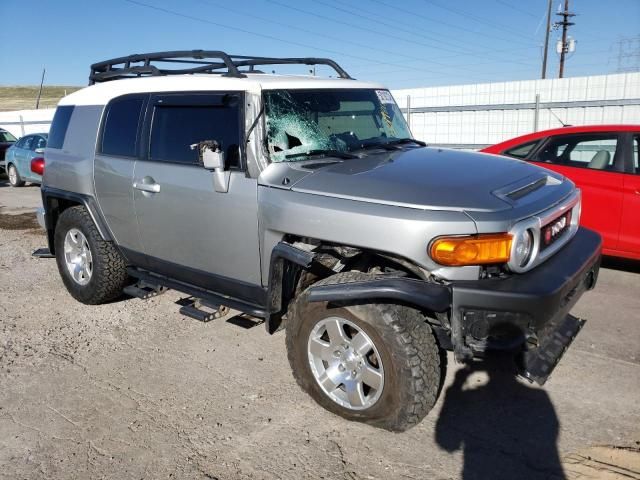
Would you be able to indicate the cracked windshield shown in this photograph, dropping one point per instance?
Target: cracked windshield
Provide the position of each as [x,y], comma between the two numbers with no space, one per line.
[306,122]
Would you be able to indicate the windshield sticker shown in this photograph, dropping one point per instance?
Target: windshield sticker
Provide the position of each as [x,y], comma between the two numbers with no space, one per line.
[384,96]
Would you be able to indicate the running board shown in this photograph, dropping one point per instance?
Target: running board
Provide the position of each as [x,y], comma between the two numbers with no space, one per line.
[539,362]
[43,253]
[198,292]
[144,290]
[195,308]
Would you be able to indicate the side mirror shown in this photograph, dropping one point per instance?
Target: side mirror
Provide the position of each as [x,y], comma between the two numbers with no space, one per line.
[211,157]
[39,151]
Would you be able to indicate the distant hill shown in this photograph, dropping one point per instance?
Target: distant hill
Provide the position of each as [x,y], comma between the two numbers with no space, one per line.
[24,97]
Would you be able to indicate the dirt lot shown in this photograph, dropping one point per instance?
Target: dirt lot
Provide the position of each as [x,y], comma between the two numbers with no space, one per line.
[134,390]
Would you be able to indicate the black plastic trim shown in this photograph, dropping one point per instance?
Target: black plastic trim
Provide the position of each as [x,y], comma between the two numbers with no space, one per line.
[429,296]
[50,194]
[282,254]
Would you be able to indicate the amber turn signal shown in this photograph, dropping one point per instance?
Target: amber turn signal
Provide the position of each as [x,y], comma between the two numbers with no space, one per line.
[472,250]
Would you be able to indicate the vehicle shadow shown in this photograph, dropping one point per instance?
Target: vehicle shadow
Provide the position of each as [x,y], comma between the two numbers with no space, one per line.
[504,428]
[623,264]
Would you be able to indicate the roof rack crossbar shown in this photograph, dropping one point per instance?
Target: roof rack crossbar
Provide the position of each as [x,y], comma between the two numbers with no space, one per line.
[203,61]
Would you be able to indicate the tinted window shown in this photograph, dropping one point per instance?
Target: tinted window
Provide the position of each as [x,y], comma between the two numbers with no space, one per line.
[7,137]
[59,126]
[28,143]
[587,151]
[176,127]
[40,142]
[20,142]
[521,151]
[119,136]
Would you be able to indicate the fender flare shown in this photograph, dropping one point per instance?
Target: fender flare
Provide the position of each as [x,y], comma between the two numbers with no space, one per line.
[50,196]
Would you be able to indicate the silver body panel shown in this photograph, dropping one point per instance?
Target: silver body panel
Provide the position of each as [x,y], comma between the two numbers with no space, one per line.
[114,194]
[401,231]
[71,168]
[190,224]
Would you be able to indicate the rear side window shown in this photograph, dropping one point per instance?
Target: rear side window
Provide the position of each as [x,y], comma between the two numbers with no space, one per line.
[40,142]
[59,126]
[28,143]
[120,130]
[521,151]
[176,127]
[594,151]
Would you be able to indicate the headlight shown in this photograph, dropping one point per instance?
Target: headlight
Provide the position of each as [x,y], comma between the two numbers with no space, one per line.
[522,248]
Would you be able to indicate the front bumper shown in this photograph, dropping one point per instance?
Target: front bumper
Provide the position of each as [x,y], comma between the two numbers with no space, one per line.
[535,298]
[531,308]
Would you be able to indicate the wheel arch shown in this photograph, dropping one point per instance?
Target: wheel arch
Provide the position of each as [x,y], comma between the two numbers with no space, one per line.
[56,201]
[289,262]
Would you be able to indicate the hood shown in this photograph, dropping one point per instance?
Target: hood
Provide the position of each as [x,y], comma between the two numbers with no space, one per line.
[424,178]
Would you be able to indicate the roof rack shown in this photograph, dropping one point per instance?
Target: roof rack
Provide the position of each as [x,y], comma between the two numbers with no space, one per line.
[196,61]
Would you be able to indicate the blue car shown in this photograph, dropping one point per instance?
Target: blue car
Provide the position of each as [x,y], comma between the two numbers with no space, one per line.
[18,159]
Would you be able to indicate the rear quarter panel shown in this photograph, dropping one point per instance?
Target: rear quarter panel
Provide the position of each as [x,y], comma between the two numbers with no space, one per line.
[71,167]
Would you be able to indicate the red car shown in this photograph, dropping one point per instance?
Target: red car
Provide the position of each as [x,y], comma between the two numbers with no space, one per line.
[603,161]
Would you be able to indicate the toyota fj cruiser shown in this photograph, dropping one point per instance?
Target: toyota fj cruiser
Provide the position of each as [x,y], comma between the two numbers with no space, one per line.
[305,201]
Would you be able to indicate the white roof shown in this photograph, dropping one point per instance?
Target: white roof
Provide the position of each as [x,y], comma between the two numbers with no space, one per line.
[101,93]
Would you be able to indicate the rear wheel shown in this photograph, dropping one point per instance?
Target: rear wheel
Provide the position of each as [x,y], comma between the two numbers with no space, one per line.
[91,268]
[14,176]
[373,363]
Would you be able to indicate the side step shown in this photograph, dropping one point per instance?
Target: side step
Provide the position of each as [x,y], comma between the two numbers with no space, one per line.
[539,362]
[43,253]
[144,290]
[195,308]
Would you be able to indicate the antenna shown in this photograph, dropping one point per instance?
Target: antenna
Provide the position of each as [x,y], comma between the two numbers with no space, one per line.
[558,118]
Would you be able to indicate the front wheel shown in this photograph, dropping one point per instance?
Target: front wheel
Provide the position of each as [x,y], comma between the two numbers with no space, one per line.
[373,363]
[14,176]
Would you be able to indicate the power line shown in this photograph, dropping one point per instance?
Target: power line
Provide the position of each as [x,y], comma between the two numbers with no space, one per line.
[271,37]
[517,9]
[441,22]
[377,32]
[476,18]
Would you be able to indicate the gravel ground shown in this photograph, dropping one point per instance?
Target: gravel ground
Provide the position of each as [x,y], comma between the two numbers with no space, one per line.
[135,390]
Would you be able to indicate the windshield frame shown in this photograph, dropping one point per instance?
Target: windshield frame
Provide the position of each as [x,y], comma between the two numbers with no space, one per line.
[298,158]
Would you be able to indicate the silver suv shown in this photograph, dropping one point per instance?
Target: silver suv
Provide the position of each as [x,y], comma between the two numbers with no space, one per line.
[305,201]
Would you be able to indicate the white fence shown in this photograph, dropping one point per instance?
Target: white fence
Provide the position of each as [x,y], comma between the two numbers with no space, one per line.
[473,116]
[22,122]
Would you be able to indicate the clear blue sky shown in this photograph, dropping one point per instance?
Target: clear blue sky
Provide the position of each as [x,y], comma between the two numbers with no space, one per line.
[402,43]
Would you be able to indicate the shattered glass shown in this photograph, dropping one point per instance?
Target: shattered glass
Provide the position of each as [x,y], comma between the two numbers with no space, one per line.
[302,121]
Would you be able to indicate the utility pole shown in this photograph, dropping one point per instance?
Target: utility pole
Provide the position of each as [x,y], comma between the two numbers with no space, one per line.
[546,42]
[565,23]
[40,91]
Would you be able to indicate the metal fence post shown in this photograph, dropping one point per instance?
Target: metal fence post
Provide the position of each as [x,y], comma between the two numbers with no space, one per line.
[536,113]
[22,125]
[409,111]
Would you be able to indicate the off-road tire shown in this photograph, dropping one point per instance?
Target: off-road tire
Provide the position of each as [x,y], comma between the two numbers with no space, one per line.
[412,360]
[18,182]
[109,275]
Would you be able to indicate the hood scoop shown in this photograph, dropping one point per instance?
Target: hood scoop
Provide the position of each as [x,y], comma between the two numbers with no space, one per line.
[516,191]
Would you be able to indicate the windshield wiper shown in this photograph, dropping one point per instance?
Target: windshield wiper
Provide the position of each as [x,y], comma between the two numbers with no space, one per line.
[401,141]
[324,153]
[381,145]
